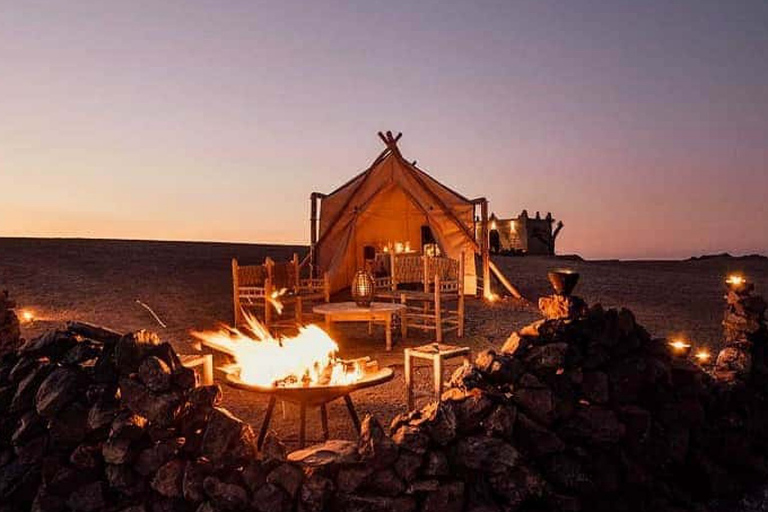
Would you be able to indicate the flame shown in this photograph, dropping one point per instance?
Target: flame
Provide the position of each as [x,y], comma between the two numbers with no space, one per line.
[736,280]
[491,296]
[27,316]
[679,345]
[274,299]
[703,356]
[308,359]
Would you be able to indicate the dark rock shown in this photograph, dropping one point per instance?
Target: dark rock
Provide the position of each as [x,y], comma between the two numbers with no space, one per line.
[89,498]
[498,368]
[123,479]
[271,498]
[594,424]
[69,427]
[28,387]
[128,425]
[595,387]
[132,348]
[539,403]
[52,344]
[227,438]
[355,503]
[407,465]
[58,389]
[168,480]
[568,473]
[349,479]
[374,444]
[152,458]
[501,422]
[225,495]
[273,450]
[102,414]
[94,332]
[86,456]
[315,494]
[254,475]
[331,453]
[546,358]
[117,451]
[195,473]
[411,438]
[469,407]
[32,451]
[449,497]
[161,409]
[517,486]
[537,439]
[486,454]
[155,374]
[81,353]
[30,425]
[385,483]
[288,477]
[436,465]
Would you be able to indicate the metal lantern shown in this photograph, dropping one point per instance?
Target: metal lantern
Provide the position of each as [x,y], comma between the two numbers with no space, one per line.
[563,281]
[362,288]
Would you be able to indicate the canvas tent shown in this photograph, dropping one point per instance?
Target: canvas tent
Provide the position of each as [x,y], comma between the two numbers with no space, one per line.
[392,200]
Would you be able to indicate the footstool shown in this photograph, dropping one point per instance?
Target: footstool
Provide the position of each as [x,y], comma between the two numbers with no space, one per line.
[437,353]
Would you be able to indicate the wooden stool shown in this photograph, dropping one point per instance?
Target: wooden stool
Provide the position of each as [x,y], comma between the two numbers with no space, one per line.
[202,364]
[437,353]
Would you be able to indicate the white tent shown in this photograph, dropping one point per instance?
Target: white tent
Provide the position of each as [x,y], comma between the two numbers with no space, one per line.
[392,201]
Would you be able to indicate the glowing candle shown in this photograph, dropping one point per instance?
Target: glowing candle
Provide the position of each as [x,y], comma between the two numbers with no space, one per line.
[680,348]
[703,356]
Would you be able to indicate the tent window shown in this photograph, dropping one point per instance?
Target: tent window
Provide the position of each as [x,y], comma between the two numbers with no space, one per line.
[369,253]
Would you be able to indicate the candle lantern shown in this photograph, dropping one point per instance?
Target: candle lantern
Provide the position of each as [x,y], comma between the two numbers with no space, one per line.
[738,283]
[362,288]
[703,357]
[680,348]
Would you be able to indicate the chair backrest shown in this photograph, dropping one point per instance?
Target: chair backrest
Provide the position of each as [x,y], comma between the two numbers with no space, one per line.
[250,275]
[284,274]
[408,268]
[447,268]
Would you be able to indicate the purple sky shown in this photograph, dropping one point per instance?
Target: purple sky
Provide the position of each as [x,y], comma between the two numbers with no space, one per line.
[643,125]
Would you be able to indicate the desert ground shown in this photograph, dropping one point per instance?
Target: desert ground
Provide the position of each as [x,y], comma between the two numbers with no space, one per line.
[188,285]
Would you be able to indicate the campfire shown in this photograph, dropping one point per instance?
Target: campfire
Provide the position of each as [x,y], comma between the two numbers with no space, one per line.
[308,359]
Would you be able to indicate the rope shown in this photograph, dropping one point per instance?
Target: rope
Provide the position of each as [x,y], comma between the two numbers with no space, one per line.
[162,324]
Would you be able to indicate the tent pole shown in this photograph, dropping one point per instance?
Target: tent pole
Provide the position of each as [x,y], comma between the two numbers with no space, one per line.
[484,248]
[313,199]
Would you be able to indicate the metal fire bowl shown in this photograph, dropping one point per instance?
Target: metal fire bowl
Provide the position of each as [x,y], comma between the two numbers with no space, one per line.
[563,281]
[314,395]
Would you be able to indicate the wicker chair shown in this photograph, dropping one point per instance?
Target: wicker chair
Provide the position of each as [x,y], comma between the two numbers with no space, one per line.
[256,288]
[438,303]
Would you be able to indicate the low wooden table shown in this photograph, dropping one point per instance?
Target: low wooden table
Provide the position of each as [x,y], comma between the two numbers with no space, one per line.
[351,312]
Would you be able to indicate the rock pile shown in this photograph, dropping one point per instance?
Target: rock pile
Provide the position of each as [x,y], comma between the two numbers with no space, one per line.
[10,335]
[578,412]
[744,334]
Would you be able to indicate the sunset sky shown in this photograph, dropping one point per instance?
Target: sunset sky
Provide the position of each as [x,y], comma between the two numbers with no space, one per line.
[643,125]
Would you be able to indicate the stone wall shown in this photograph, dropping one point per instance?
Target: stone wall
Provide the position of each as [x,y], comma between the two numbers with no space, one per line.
[585,411]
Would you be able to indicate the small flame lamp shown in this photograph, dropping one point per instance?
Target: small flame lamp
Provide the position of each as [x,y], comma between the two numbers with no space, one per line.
[563,281]
[738,283]
[680,348]
[362,288]
[703,357]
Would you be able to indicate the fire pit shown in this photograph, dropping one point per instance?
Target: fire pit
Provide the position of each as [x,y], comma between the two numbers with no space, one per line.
[304,370]
[312,396]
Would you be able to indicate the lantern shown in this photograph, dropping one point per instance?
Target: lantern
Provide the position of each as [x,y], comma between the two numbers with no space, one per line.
[362,288]
[680,348]
[563,281]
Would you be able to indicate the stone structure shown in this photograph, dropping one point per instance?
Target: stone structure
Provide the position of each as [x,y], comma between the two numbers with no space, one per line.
[10,334]
[524,234]
[744,334]
[579,411]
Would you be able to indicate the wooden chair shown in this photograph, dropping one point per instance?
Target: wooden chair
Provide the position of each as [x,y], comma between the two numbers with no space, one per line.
[439,303]
[257,288]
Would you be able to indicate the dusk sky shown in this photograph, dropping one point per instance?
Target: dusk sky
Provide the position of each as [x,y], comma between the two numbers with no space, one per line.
[643,125]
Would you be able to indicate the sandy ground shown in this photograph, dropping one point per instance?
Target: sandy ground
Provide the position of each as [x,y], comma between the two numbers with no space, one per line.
[189,286]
